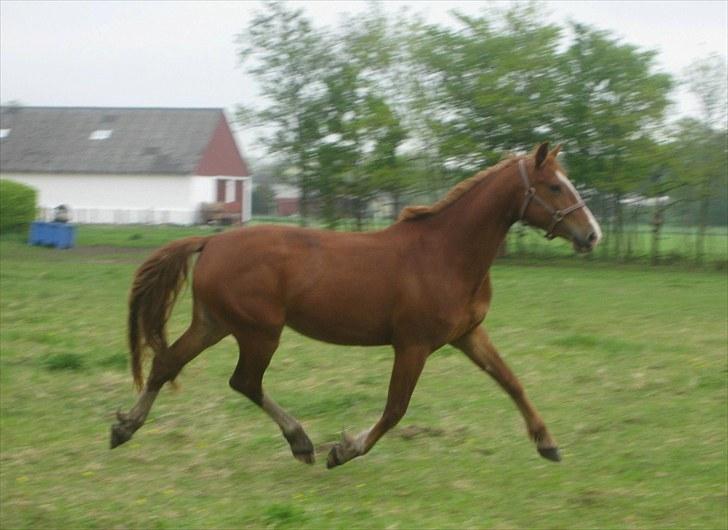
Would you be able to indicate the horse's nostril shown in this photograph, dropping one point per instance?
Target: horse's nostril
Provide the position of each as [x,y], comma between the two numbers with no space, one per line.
[592,237]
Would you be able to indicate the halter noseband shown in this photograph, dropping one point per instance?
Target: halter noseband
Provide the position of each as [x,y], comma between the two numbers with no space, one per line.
[556,215]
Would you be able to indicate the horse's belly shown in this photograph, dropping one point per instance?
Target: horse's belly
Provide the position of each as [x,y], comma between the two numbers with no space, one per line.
[339,329]
[340,323]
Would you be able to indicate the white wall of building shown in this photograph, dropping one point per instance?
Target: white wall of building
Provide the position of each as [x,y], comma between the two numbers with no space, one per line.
[122,199]
[247,199]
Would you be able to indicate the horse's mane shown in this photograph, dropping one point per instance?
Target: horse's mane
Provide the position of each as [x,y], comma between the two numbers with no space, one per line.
[417,212]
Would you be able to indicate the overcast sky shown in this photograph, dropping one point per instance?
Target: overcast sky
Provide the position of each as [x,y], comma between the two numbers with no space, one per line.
[183,54]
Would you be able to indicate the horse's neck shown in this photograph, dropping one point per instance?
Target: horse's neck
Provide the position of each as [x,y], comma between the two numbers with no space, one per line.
[473,228]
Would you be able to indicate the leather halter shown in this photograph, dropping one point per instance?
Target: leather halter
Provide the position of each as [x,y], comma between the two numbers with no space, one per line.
[556,215]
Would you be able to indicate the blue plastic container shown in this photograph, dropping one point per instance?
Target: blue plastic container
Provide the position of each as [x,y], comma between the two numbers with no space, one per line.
[35,233]
[65,235]
[59,235]
[46,234]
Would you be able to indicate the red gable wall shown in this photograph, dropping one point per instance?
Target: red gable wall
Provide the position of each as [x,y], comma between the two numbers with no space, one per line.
[221,156]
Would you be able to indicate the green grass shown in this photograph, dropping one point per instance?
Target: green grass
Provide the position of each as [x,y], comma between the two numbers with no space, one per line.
[136,236]
[627,366]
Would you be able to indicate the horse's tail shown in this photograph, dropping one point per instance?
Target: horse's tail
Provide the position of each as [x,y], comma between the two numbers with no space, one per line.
[156,286]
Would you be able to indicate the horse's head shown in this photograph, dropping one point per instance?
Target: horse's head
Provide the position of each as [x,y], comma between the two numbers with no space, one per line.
[551,201]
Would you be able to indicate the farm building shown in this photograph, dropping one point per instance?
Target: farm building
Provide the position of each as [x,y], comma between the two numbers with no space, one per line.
[127,165]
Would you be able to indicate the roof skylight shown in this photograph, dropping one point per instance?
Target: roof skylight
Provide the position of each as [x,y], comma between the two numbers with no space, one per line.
[100,134]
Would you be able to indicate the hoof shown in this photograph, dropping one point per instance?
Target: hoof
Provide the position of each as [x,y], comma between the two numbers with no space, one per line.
[343,451]
[119,435]
[550,453]
[333,459]
[301,446]
[306,458]
[122,431]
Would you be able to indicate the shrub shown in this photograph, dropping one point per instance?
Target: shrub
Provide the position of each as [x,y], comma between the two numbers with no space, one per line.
[17,206]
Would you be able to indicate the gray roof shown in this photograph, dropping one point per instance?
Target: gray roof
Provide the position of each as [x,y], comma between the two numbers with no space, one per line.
[143,140]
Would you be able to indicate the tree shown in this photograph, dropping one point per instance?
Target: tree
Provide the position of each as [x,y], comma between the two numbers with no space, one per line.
[263,199]
[285,54]
[612,102]
[360,126]
[706,140]
[488,86]
[328,113]
[706,80]
[699,155]
[500,83]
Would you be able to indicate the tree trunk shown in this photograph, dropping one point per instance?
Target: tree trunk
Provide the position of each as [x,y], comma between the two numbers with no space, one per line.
[303,207]
[631,234]
[329,211]
[618,227]
[396,204]
[702,225]
[359,213]
[607,223]
[657,220]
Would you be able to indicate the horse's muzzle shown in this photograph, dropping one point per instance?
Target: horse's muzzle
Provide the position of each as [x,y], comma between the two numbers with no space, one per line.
[583,244]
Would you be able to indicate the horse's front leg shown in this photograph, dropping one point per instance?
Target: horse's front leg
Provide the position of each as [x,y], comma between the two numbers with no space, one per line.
[408,364]
[478,347]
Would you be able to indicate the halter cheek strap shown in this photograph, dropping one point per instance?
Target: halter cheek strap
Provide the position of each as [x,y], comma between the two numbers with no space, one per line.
[556,215]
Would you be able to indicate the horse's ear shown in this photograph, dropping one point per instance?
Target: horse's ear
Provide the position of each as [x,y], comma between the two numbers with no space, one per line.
[541,154]
[555,151]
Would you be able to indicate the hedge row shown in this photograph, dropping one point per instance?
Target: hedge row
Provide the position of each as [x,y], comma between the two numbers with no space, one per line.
[17,206]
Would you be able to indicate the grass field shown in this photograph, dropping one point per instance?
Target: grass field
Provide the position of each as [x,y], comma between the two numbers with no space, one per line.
[627,366]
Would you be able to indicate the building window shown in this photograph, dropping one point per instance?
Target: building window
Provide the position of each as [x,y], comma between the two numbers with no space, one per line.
[4,133]
[100,134]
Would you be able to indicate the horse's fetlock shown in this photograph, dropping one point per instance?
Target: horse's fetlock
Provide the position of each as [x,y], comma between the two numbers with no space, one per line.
[393,416]
[538,434]
[298,438]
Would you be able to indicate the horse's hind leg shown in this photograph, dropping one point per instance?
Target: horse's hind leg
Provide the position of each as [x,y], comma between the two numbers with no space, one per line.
[256,350]
[165,367]
[480,350]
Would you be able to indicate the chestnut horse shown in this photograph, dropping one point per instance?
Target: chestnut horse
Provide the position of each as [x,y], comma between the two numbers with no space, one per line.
[417,285]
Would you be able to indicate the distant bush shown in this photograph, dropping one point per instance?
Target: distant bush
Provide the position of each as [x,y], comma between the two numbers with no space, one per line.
[17,206]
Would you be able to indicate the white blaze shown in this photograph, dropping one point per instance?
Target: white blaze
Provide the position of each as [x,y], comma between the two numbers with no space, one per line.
[592,221]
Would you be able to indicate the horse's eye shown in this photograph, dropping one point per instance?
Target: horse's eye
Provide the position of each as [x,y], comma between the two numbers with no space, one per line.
[555,188]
